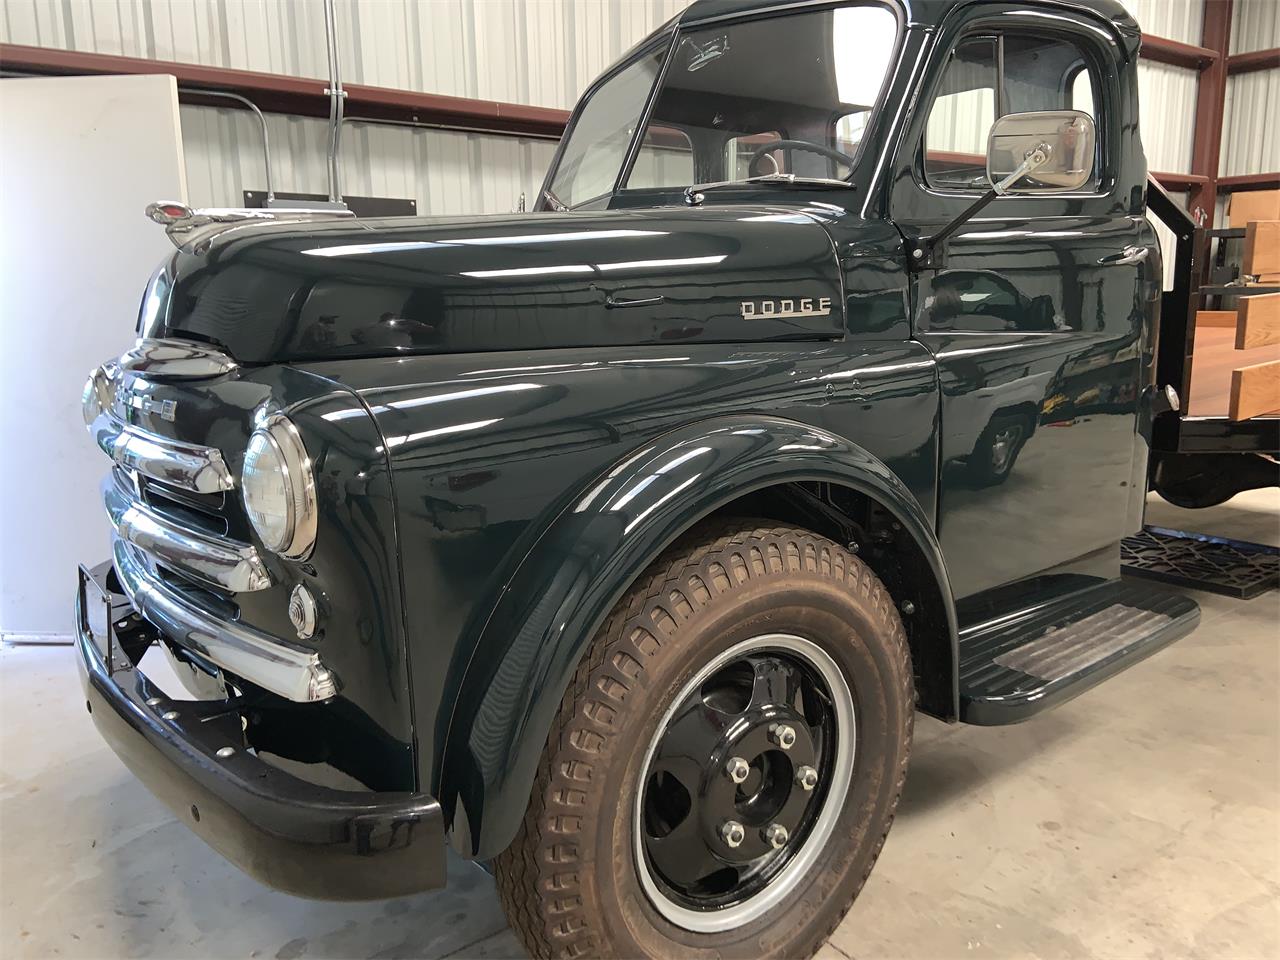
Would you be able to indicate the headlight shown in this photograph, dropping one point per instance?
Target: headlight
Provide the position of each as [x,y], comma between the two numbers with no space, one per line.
[279,488]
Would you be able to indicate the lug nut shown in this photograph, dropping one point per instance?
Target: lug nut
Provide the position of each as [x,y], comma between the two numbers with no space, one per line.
[784,735]
[807,777]
[732,833]
[737,769]
[775,834]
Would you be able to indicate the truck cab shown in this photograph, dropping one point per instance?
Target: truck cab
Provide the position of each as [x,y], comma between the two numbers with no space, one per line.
[616,545]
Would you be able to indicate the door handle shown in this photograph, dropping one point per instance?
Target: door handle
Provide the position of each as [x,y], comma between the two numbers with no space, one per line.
[1127,256]
[610,301]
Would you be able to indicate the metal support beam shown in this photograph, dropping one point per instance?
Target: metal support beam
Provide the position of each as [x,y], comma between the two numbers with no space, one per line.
[1210,97]
[1176,53]
[1249,181]
[1254,60]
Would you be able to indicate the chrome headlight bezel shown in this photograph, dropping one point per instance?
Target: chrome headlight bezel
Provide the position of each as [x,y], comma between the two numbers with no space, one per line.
[301,513]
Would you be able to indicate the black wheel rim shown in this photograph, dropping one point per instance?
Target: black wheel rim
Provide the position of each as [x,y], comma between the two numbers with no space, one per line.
[754,744]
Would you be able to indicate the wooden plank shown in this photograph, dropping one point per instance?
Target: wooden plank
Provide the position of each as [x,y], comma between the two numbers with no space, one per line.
[1216,318]
[1214,357]
[1254,390]
[1259,321]
[1262,248]
[1252,205]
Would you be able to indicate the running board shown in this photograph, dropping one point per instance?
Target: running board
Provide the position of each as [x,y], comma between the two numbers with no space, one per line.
[1016,666]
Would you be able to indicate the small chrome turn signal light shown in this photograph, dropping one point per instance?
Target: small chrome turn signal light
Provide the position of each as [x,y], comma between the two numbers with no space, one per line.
[302,611]
[95,397]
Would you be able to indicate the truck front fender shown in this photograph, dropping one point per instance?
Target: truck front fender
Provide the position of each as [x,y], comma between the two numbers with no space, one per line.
[586,560]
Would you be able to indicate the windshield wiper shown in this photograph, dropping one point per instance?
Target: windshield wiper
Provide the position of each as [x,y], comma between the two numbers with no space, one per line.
[693,194]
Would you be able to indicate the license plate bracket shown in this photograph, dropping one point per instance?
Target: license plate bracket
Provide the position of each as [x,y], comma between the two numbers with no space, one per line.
[96,615]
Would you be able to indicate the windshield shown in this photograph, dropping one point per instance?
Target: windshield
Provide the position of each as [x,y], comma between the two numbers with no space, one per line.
[597,146]
[792,94]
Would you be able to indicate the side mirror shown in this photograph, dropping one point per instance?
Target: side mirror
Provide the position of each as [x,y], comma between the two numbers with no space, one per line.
[1028,153]
[1051,151]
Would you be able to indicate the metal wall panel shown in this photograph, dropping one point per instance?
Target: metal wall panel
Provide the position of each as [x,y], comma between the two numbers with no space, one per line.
[1250,133]
[446,172]
[540,52]
[1255,25]
[1173,19]
[1166,115]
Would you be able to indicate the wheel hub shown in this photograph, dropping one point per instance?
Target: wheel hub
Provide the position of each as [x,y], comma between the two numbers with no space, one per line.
[769,792]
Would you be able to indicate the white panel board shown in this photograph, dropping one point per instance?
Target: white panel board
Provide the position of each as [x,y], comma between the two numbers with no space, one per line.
[80,157]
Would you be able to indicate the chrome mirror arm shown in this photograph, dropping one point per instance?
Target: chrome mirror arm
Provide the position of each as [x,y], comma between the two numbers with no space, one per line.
[923,250]
[1036,158]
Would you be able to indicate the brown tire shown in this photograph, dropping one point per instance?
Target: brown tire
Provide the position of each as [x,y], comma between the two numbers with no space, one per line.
[749,634]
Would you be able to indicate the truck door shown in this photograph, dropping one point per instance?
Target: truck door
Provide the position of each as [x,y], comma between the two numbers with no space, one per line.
[1035,309]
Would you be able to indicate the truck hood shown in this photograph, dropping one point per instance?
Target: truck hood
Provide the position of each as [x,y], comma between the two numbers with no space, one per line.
[303,291]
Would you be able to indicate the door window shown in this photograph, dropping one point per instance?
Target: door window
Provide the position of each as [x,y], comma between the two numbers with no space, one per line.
[991,76]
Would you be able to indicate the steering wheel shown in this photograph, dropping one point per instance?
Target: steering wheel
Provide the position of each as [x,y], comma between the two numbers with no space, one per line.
[829,152]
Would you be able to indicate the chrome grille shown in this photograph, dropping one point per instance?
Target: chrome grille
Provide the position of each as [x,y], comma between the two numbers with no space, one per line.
[211,561]
[181,545]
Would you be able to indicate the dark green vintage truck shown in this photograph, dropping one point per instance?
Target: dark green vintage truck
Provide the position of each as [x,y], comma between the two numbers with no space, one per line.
[615,545]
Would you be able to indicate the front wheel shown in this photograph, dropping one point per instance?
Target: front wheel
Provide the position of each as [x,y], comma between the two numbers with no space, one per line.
[726,762]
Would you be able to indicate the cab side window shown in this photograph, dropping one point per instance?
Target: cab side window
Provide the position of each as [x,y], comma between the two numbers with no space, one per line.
[665,157]
[991,76]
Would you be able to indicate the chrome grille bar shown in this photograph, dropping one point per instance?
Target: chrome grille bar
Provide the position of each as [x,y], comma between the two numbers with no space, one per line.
[171,359]
[186,465]
[284,668]
[215,561]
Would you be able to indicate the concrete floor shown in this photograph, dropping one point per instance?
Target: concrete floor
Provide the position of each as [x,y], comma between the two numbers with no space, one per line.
[1140,820]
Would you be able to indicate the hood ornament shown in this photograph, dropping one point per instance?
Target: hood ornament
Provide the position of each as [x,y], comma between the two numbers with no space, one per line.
[183,224]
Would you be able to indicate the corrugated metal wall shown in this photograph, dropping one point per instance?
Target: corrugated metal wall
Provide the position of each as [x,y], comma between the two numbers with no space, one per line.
[1255,25]
[541,52]
[1167,91]
[445,172]
[1250,133]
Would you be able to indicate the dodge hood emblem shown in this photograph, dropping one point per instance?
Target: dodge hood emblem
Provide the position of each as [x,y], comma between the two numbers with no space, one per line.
[786,307]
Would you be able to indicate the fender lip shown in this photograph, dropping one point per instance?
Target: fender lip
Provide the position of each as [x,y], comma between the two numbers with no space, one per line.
[533,640]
